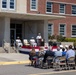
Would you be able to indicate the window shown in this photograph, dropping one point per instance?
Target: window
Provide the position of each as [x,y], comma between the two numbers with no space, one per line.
[62,8]
[33,4]
[49,7]
[8,4]
[73,30]
[12,4]
[50,29]
[74,9]
[4,3]
[62,29]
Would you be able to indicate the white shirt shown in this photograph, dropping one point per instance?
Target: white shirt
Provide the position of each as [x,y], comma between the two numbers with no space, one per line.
[32,41]
[38,37]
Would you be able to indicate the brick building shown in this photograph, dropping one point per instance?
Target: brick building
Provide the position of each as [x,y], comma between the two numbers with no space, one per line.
[66,26]
[26,18]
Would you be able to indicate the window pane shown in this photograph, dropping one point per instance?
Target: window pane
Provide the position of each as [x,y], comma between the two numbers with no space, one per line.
[11,4]
[62,8]
[73,29]
[73,9]
[33,4]
[50,29]
[62,29]
[4,3]
[49,7]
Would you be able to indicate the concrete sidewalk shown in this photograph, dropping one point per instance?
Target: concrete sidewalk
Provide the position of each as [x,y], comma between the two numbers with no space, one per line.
[13,58]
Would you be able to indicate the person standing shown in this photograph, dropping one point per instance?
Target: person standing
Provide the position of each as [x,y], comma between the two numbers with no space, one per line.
[39,39]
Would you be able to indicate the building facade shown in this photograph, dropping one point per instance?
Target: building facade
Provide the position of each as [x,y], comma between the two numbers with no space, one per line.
[66,26]
[27,18]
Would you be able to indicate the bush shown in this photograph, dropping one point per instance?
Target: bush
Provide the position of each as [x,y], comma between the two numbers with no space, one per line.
[60,38]
[70,39]
[74,44]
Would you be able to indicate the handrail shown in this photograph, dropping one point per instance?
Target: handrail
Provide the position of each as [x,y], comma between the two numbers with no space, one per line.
[6,45]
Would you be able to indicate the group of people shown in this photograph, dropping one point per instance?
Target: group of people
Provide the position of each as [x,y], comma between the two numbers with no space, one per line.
[32,42]
[68,52]
[39,40]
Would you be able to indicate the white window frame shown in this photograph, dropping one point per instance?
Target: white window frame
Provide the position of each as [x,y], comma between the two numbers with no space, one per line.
[62,9]
[31,6]
[71,30]
[51,28]
[64,29]
[72,9]
[8,5]
[51,8]
[14,5]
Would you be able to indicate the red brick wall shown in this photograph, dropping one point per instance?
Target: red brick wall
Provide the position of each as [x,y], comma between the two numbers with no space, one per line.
[69,20]
[68,1]
[41,7]
[68,9]
[55,8]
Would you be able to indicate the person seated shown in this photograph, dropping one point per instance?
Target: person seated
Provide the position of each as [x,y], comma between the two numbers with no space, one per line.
[32,56]
[58,53]
[48,53]
[66,47]
[70,52]
[61,47]
[54,47]
[41,54]
[18,42]
[63,52]
[32,42]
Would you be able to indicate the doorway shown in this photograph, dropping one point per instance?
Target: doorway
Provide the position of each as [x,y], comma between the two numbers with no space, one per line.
[12,36]
[15,31]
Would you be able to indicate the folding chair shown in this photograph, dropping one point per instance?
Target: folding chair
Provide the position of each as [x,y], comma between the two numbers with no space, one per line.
[71,63]
[50,61]
[25,42]
[60,63]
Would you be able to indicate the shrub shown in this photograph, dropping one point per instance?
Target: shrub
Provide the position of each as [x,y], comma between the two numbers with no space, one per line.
[70,39]
[60,38]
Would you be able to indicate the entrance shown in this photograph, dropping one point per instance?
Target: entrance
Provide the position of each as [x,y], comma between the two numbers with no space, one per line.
[12,36]
[15,31]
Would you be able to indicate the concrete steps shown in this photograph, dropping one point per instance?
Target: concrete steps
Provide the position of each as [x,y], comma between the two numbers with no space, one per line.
[10,50]
[2,50]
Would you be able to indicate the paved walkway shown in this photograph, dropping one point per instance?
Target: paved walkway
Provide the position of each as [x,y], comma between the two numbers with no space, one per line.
[13,58]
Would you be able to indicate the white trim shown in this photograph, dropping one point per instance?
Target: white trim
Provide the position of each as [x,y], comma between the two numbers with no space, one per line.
[8,5]
[62,2]
[59,9]
[36,5]
[61,14]
[14,5]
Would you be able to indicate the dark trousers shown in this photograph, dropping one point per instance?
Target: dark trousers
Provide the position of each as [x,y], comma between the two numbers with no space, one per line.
[48,53]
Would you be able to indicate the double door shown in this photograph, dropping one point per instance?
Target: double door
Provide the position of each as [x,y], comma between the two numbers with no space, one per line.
[15,31]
